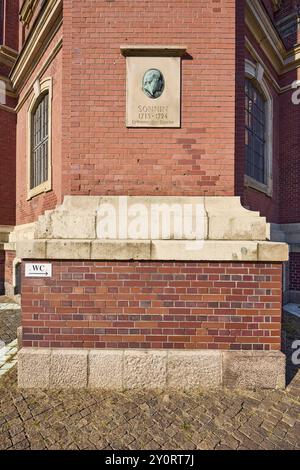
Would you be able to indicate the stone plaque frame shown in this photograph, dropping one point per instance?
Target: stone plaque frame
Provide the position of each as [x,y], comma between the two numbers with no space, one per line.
[163,108]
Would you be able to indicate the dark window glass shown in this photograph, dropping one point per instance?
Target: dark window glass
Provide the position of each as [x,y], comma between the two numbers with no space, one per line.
[39,144]
[255,134]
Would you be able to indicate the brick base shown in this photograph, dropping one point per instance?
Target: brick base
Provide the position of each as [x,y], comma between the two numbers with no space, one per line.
[154,305]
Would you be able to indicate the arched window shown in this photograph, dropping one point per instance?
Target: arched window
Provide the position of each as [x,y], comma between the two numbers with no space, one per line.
[39,143]
[255,136]
[258,129]
[39,175]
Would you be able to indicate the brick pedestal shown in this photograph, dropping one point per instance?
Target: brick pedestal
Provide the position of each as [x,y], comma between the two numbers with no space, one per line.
[158,312]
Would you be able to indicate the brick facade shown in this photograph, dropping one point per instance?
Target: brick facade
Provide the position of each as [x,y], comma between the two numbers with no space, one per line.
[289,145]
[8,168]
[2,271]
[281,207]
[154,305]
[184,161]
[226,296]
[8,119]
[10,23]
[196,159]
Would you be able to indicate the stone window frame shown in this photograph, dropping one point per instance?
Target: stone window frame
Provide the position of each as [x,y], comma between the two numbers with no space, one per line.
[256,73]
[40,88]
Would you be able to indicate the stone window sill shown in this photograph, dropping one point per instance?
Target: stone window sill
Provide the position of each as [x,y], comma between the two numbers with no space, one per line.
[262,188]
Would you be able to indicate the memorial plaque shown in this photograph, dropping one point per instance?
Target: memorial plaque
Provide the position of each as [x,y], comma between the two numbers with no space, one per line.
[153,91]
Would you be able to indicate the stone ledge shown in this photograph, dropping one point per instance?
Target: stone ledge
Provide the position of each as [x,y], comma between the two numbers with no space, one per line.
[221,218]
[111,369]
[206,229]
[157,50]
[9,246]
[157,250]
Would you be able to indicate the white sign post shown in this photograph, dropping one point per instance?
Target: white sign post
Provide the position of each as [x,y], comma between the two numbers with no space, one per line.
[38,270]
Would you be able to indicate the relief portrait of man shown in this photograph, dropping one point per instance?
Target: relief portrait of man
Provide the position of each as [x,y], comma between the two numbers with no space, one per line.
[153,83]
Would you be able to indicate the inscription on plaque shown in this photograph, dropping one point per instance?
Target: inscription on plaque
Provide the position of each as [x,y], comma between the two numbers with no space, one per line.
[152,114]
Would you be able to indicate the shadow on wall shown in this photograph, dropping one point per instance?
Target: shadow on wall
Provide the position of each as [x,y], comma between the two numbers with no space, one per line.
[290,334]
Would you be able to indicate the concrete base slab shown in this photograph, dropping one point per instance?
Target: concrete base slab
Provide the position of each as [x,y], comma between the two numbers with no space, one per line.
[192,369]
[149,369]
[34,368]
[68,368]
[106,369]
[145,369]
[252,370]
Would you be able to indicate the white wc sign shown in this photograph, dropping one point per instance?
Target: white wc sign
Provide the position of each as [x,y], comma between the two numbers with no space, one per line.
[38,270]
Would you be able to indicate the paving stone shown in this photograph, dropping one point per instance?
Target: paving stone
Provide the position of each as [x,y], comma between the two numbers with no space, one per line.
[129,421]
[10,320]
[90,419]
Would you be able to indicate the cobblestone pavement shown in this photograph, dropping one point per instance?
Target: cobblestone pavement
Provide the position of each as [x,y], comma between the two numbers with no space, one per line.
[8,356]
[9,319]
[220,419]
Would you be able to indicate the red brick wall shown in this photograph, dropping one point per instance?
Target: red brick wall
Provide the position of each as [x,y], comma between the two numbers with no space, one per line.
[9,258]
[4,69]
[289,150]
[28,211]
[240,102]
[1,20]
[11,23]
[9,20]
[8,124]
[101,154]
[2,270]
[7,168]
[154,305]
[294,271]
